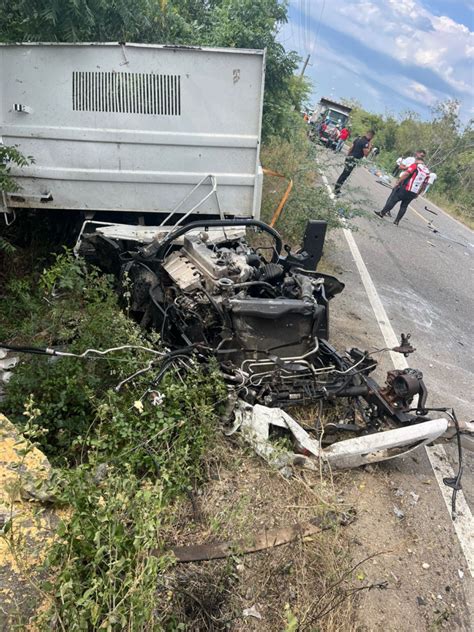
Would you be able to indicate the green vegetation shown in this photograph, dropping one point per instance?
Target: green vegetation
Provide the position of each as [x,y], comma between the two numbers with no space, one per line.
[120,460]
[9,156]
[449,145]
[121,457]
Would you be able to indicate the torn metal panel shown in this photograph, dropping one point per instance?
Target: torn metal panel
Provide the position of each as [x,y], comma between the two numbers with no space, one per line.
[254,423]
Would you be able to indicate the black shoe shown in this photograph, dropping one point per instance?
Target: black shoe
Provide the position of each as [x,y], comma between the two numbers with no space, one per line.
[379,213]
[396,223]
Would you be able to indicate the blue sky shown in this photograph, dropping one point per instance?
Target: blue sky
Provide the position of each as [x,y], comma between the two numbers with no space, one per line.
[391,55]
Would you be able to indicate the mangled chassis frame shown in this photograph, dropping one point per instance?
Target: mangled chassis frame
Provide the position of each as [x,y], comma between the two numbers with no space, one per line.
[205,289]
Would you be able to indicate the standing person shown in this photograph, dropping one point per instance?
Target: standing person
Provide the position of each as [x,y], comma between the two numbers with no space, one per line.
[359,149]
[404,164]
[407,161]
[431,181]
[411,184]
[343,136]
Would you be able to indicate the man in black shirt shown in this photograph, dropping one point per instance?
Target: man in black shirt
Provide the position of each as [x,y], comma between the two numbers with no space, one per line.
[359,148]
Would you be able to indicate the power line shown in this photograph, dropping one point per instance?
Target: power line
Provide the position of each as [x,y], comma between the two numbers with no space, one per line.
[318,25]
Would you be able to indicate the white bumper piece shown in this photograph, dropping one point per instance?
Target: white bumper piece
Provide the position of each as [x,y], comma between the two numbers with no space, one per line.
[255,423]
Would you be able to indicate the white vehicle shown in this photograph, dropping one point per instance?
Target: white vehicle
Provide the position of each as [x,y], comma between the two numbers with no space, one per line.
[134,128]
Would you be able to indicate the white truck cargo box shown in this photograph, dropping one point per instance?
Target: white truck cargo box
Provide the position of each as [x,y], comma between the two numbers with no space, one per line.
[133,127]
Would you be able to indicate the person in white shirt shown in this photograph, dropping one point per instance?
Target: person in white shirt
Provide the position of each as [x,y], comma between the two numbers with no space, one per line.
[407,162]
[402,164]
[396,169]
[411,184]
[431,180]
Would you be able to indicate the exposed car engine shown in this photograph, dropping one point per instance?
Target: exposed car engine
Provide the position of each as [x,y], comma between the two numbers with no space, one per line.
[207,288]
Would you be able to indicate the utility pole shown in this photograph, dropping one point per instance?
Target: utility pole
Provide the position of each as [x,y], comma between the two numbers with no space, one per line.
[305,64]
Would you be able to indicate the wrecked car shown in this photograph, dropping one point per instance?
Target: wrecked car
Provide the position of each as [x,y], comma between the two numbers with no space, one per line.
[263,313]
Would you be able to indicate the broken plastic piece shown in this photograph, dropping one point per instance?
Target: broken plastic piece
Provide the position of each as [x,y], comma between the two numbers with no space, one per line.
[255,422]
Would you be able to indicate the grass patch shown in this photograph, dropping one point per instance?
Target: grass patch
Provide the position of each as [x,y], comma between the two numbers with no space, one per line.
[120,460]
[293,587]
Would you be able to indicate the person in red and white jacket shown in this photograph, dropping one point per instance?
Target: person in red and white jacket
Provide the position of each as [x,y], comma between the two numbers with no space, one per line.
[343,136]
[412,183]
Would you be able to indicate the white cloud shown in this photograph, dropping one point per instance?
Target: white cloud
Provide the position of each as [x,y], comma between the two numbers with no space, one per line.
[419,92]
[443,24]
[405,7]
[469,50]
[405,30]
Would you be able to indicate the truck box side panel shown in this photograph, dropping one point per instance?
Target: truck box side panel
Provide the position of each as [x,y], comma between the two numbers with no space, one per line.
[133,127]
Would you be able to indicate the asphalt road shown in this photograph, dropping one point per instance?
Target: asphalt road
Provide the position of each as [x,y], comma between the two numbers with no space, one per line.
[423,271]
[423,274]
[426,282]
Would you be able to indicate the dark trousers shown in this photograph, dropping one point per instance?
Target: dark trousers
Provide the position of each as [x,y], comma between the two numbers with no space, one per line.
[399,194]
[349,165]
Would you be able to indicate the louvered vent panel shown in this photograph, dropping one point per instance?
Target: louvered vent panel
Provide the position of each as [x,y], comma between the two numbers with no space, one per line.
[126,92]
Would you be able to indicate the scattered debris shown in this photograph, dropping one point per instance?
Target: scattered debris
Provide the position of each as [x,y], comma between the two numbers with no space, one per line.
[414,498]
[251,612]
[7,363]
[398,512]
[425,566]
[265,540]
[255,423]
[212,294]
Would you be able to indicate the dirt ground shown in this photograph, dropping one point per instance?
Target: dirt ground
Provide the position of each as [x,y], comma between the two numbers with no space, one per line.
[413,579]
[305,585]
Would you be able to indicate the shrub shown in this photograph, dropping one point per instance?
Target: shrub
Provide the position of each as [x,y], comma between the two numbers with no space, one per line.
[79,408]
[132,451]
[106,559]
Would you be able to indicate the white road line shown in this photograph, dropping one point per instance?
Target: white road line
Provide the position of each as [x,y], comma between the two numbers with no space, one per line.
[386,328]
[464,523]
